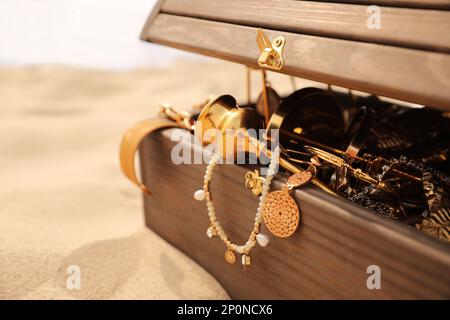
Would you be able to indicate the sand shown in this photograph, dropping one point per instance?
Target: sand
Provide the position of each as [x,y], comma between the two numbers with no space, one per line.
[63,199]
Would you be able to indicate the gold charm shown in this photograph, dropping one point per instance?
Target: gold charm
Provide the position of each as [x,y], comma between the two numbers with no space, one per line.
[254,182]
[230,257]
[281,213]
[245,260]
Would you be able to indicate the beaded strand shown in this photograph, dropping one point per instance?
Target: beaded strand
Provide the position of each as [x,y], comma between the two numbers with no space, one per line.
[216,229]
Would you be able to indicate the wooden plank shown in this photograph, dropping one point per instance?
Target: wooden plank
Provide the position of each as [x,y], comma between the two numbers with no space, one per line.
[405,74]
[410,28]
[424,4]
[155,11]
[326,258]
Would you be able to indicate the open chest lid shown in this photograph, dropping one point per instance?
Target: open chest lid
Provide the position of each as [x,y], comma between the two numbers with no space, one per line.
[398,49]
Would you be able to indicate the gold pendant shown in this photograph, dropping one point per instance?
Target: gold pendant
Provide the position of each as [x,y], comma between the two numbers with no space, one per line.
[281,213]
[230,257]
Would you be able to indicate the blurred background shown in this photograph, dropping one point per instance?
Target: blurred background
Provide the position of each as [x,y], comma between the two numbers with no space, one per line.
[96,34]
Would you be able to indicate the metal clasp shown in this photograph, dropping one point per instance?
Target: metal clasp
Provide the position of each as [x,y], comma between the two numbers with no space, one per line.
[271,56]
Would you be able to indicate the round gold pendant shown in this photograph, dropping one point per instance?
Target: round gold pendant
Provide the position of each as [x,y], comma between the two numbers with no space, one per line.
[230,257]
[281,214]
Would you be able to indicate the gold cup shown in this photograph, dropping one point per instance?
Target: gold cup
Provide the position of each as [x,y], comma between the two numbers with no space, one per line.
[221,119]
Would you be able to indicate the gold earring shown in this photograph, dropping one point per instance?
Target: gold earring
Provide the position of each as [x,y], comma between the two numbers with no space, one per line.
[281,214]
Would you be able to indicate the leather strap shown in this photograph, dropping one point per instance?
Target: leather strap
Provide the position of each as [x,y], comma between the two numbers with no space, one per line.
[131,140]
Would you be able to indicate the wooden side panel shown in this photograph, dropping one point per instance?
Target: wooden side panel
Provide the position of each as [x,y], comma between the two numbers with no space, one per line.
[327,258]
[424,4]
[411,28]
[155,11]
[405,74]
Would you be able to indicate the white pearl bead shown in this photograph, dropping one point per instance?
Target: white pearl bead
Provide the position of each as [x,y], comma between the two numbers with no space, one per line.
[211,232]
[199,195]
[262,239]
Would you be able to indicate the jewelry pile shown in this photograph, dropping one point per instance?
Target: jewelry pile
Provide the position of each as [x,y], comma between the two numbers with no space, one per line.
[385,157]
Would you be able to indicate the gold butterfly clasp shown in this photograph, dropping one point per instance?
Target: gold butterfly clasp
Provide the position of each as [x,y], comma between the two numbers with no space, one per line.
[254,182]
[271,54]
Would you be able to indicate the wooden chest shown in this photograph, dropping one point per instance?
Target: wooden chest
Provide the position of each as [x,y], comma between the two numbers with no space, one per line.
[406,58]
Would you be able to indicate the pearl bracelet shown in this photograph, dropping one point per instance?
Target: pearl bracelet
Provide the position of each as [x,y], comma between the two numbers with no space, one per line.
[216,229]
